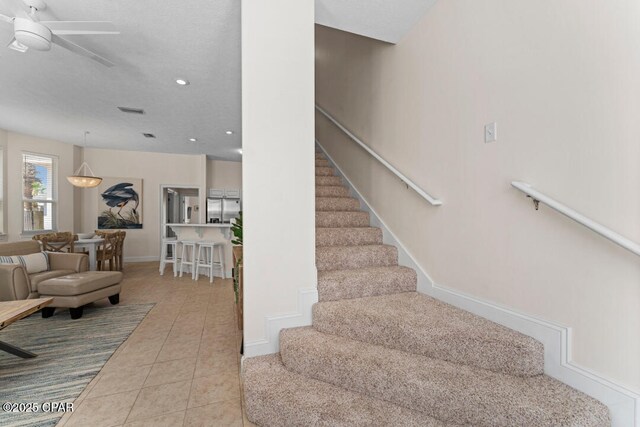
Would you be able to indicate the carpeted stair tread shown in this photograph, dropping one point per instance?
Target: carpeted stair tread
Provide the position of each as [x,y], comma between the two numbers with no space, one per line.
[348,236]
[332,191]
[337,204]
[446,391]
[342,219]
[275,396]
[325,171]
[347,257]
[320,156]
[322,163]
[420,324]
[365,282]
[328,180]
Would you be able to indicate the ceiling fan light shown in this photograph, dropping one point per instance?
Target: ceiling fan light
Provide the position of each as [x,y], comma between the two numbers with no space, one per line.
[32,34]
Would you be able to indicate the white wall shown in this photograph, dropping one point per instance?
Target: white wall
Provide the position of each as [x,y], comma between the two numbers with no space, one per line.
[16,145]
[155,169]
[561,81]
[3,183]
[278,160]
[223,174]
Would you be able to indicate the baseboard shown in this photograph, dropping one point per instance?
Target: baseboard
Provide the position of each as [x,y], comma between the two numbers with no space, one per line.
[142,258]
[624,404]
[273,324]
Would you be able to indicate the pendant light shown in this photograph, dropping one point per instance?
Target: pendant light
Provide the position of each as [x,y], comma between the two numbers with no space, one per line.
[85,180]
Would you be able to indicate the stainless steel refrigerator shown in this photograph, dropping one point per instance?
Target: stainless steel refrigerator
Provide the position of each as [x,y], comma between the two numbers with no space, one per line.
[230,209]
[222,209]
[214,210]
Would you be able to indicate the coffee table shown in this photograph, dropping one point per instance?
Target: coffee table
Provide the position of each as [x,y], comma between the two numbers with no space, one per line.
[12,311]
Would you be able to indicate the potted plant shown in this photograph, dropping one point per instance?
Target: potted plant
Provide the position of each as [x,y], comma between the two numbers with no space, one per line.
[236,229]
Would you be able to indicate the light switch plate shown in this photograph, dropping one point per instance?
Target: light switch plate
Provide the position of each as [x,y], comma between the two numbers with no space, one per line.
[491,132]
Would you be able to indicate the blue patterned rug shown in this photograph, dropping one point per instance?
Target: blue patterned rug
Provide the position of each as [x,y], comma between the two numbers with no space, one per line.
[70,353]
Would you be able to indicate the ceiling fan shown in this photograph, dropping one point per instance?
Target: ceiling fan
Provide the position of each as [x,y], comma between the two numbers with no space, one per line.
[31,33]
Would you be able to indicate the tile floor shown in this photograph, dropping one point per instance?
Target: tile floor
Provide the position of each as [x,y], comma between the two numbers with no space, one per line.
[180,367]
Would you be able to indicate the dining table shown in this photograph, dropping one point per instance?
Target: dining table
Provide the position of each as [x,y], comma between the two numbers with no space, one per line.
[91,246]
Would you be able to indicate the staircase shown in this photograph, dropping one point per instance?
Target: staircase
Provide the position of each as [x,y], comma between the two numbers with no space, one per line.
[381,354]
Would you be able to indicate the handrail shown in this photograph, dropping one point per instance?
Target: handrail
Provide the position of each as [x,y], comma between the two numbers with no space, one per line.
[396,172]
[567,211]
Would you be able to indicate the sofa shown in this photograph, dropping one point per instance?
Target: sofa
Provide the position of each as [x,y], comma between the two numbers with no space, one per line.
[66,279]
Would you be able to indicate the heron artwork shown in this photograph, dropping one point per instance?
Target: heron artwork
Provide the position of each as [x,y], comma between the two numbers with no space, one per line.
[122,206]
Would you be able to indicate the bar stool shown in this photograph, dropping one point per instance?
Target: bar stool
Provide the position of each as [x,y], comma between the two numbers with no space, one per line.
[206,258]
[188,257]
[164,259]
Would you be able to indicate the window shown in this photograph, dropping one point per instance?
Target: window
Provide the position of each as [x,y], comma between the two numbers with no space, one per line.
[38,192]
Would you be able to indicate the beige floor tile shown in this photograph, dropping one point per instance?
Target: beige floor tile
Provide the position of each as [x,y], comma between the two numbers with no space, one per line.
[138,357]
[215,344]
[214,388]
[161,399]
[185,333]
[171,372]
[116,381]
[218,332]
[190,326]
[62,421]
[149,334]
[216,363]
[179,348]
[221,414]
[174,419]
[104,411]
[87,389]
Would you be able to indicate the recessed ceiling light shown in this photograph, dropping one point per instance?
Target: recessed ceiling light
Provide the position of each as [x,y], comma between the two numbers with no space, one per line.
[229,132]
[240,151]
[182,82]
[192,139]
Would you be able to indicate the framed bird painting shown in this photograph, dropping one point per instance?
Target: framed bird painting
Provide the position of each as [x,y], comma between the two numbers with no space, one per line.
[120,203]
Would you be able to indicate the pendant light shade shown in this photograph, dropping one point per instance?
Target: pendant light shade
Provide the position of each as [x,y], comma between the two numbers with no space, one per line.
[87,179]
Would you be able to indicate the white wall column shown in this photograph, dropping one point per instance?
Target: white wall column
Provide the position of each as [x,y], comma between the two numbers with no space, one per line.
[278,166]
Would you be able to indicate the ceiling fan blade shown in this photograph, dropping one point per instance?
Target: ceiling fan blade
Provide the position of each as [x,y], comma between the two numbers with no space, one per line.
[6,18]
[80,50]
[68,28]
[17,46]
[18,8]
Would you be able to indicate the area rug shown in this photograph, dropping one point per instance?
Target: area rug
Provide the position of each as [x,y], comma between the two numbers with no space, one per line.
[70,354]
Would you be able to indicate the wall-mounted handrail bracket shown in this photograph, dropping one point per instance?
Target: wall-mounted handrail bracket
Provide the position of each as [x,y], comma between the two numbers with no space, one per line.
[605,232]
[536,202]
[396,172]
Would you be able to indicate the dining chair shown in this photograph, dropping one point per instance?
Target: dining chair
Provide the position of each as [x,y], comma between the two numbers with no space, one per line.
[61,241]
[119,255]
[106,251]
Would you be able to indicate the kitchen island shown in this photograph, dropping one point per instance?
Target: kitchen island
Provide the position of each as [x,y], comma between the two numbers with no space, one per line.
[220,232]
[200,229]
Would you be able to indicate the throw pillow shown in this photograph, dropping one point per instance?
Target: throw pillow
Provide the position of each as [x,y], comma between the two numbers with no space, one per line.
[32,263]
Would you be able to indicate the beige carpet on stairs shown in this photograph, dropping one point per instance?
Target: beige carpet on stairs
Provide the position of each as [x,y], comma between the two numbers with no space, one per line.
[381,354]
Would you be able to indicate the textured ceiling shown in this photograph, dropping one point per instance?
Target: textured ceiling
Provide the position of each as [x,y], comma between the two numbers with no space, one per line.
[386,20]
[58,95]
